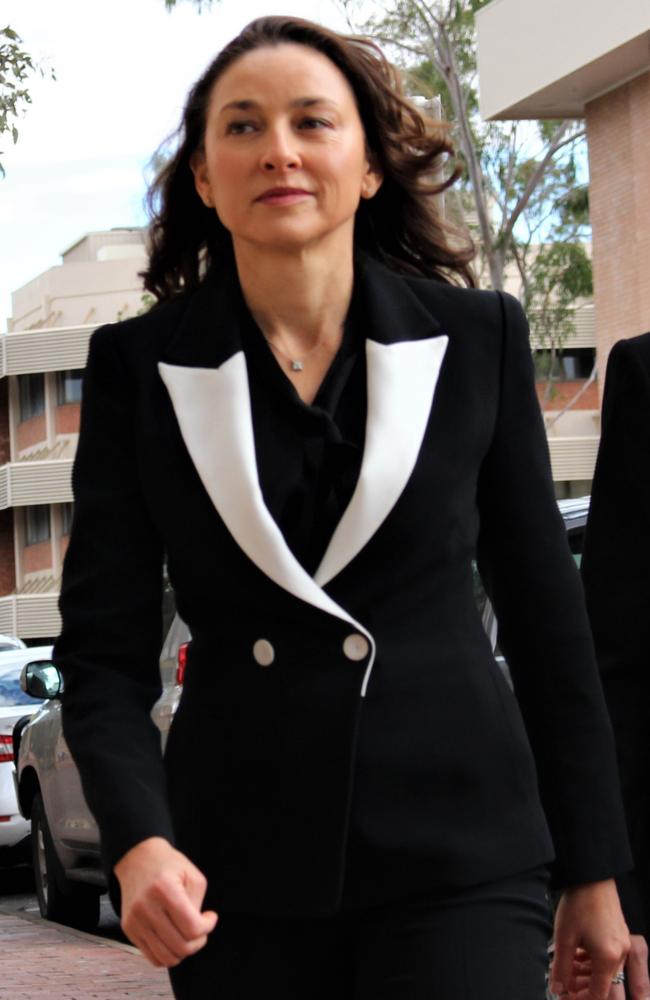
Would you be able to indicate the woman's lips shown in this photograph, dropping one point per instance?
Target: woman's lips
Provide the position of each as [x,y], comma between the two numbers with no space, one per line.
[283,196]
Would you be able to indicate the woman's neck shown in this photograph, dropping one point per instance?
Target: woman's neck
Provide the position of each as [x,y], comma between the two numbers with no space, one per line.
[299,299]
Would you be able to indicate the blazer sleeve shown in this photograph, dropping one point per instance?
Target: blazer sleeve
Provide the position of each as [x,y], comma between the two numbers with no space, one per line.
[111,608]
[534,584]
[616,574]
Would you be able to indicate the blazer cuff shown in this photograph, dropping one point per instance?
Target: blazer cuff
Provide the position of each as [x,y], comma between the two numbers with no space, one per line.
[631,897]
[121,838]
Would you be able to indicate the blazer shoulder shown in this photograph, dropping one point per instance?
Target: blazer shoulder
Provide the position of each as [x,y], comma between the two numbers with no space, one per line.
[633,349]
[138,336]
[456,305]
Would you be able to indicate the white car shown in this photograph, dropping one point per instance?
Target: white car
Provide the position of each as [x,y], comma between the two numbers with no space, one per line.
[14,705]
[65,839]
[11,642]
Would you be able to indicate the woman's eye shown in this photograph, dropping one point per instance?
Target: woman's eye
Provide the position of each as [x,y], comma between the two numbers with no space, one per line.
[239,128]
[315,123]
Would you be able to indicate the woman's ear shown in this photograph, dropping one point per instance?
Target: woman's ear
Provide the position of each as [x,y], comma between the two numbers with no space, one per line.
[372,179]
[198,166]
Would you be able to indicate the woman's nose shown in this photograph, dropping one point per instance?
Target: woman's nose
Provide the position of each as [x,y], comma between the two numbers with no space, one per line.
[280,152]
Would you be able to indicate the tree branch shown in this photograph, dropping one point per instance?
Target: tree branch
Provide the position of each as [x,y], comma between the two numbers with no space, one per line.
[556,143]
[574,399]
[468,146]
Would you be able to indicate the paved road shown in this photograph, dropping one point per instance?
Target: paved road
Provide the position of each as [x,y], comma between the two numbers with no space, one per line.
[40,957]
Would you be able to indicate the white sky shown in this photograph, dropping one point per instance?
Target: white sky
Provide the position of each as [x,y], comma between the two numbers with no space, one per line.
[123,69]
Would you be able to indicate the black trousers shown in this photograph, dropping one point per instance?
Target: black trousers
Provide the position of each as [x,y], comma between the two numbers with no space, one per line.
[484,943]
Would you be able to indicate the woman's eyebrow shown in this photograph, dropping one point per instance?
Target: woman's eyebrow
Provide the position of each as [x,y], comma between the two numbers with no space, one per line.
[300,102]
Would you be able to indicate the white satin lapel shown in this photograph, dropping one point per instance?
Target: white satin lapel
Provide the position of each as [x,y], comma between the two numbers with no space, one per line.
[213,411]
[402,379]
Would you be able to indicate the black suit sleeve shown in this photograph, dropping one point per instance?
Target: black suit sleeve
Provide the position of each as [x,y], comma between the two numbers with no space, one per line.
[616,574]
[111,598]
[532,579]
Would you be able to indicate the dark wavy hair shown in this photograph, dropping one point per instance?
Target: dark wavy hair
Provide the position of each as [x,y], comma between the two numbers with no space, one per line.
[402,225]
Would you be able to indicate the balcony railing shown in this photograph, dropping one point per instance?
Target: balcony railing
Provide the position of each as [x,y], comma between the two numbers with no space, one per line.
[47,350]
[35,482]
[584,319]
[31,616]
[573,457]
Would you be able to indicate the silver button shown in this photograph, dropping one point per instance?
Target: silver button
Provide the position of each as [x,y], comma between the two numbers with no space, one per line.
[263,652]
[356,647]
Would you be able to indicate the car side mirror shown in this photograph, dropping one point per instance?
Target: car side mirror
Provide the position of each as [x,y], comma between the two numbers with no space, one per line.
[41,679]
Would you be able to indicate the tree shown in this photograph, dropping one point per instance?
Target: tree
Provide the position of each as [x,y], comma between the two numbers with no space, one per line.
[201,4]
[16,66]
[517,177]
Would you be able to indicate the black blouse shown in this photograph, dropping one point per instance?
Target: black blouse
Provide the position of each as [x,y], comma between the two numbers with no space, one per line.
[308,456]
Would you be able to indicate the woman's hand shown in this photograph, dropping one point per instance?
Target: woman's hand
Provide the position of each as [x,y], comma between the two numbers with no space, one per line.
[636,969]
[636,972]
[591,942]
[162,894]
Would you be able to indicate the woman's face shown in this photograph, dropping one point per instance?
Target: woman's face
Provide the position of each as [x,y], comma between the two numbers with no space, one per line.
[284,162]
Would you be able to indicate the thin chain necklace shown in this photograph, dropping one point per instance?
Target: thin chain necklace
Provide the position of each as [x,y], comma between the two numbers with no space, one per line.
[297,364]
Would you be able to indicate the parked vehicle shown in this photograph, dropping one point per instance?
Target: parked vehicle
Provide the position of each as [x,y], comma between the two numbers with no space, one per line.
[574,512]
[14,705]
[65,839]
[11,642]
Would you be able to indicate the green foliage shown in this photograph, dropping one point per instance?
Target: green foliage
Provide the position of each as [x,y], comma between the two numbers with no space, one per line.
[147,301]
[520,184]
[560,274]
[200,4]
[16,66]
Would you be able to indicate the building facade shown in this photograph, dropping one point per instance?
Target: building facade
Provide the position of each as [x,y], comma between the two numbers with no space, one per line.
[42,357]
[588,60]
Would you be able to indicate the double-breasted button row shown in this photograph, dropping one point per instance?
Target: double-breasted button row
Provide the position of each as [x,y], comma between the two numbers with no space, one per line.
[263,653]
[355,647]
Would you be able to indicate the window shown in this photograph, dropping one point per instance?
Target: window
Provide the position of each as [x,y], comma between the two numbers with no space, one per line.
[31,392]
[37,524]
[567,364]
[68,386]
[66,517]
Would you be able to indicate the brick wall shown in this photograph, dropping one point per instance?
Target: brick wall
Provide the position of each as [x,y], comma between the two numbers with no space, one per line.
[37,557]
[7,560]
[31,432]
[5,443]
[618,132]
[66,418]
[563,392]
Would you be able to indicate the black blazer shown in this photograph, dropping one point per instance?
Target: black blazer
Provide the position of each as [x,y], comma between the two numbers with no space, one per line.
[258,785]
[616,573]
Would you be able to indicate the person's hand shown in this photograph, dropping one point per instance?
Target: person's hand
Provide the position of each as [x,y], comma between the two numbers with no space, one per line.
[162,895]
[591,942]
[636,970]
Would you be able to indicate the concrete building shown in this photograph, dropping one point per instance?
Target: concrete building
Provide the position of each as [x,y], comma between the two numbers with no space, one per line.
[42,357]
[585,59]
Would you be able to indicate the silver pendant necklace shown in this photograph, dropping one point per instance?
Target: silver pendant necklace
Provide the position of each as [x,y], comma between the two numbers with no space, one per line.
[297,364]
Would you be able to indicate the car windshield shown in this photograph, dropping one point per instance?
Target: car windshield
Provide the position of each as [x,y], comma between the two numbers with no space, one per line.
[10,690]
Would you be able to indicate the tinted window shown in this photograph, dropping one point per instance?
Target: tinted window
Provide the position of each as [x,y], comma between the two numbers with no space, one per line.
[10,691]
[576,539]
[37,524]
[66,517]
[68,386]
[31,393]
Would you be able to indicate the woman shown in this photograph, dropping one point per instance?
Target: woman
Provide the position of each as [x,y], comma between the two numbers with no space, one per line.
[320,430]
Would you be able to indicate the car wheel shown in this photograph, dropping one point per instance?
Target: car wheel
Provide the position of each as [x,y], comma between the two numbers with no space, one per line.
[59,899]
